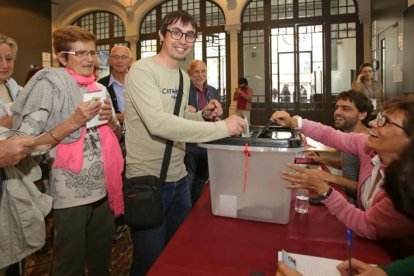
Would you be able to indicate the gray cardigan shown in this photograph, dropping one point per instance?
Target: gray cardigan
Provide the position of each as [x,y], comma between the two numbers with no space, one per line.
[54,90]
[22,210]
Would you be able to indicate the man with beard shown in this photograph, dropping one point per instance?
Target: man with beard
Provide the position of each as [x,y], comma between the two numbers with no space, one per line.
[352,113]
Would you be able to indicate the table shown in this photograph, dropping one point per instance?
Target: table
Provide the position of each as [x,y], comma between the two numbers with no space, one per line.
[210,245]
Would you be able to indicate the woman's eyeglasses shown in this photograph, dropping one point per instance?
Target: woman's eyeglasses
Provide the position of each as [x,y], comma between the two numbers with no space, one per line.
[81,53]
[382,120]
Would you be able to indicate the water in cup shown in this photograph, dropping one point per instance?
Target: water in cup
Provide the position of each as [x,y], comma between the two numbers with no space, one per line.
[302,201]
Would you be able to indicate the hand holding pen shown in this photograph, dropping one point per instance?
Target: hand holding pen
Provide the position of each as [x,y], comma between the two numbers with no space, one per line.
[359,268]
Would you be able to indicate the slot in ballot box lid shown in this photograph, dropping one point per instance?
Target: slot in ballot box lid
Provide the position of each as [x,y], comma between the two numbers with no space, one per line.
[271,136]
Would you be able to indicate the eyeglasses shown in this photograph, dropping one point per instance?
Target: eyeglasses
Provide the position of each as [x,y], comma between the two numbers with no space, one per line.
[382,120]
[120,57]
[177,34]
[82,53]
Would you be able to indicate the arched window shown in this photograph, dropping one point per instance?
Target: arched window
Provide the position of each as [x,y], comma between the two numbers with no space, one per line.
[109,30]
[210,45]
[296,54]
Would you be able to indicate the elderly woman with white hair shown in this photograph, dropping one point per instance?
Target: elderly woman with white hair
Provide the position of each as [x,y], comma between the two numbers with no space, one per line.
[85,176]
[8,86]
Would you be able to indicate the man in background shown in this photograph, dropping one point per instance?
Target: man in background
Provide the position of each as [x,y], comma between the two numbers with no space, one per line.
[243,96]
[120,59]
[196,157]
[352,114]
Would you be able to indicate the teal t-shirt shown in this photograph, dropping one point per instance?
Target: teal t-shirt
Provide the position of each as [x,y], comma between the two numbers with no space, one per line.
[404,267]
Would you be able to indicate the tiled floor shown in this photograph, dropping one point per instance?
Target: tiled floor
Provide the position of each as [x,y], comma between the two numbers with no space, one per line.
[39,264]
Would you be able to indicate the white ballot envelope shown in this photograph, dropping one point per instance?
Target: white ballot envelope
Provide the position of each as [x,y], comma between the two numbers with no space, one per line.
[247,132]
[99,96]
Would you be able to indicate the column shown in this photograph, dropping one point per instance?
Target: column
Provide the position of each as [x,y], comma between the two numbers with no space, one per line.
[233,30]
[132,45]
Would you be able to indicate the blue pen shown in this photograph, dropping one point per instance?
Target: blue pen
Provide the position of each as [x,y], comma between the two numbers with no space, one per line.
[349,242]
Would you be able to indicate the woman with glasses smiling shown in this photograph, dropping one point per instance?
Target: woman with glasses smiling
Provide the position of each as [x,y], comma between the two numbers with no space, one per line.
[389,134]
[86,163]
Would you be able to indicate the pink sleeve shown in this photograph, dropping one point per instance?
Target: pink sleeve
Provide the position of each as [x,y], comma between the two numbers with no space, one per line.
[353,143]
[389,222]
[380,221]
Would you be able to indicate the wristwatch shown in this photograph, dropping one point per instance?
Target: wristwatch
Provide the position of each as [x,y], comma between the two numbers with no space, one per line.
[326,194]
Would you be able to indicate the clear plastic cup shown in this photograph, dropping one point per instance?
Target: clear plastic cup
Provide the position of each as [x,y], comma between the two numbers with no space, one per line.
[302,201]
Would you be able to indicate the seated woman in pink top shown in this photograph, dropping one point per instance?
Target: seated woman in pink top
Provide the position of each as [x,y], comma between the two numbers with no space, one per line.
[389,133]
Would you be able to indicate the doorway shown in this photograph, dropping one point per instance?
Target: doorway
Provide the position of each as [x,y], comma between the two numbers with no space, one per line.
[297,66]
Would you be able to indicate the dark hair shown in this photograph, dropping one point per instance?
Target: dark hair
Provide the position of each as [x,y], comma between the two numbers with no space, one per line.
[404,104]
[175,16]
[364,65]
[399,181]
[64,37]
[243,81]
[361,102]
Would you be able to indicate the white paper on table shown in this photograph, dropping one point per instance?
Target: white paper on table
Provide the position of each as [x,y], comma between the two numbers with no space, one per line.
[92,95]
[314,266]
[227,206]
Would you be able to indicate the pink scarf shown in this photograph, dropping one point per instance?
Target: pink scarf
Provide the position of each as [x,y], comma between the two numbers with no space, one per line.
[89,82]
[70,156]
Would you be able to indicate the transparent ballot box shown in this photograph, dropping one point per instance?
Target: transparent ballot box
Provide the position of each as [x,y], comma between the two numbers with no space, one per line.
[245,174]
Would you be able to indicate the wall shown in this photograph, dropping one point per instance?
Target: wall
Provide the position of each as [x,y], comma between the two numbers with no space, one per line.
[408,53]
[386,12]
[387,16]
[29,23]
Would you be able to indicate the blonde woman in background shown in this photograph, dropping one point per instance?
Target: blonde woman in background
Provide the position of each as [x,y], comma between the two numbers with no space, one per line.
[8,86]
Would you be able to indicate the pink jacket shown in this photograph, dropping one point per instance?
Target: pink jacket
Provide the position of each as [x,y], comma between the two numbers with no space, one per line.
[379,221]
